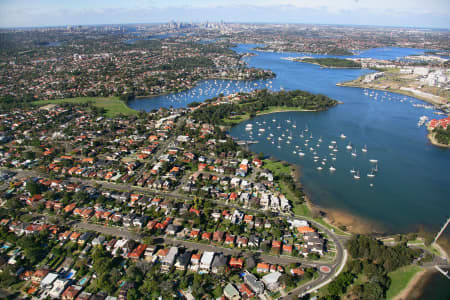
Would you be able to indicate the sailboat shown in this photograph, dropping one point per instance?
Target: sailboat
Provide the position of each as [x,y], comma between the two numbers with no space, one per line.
[356,176]
[354,153]
[352,171]
[332,169]
[349,146]
[371,175]
[364,149]
[376,168]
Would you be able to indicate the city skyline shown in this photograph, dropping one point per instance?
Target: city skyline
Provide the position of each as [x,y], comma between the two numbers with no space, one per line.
[26,13]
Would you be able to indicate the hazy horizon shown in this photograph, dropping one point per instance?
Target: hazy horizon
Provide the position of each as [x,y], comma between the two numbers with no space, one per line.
[400,13]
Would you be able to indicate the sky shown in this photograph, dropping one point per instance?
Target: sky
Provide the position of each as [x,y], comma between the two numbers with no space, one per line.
[410,13]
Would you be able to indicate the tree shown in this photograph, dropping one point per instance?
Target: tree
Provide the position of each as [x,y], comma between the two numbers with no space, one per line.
[33,188]
[132,294]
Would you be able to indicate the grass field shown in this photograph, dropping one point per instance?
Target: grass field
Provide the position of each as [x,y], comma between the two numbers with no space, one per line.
[277,167]
[112,105]
[400,279]
[231,121]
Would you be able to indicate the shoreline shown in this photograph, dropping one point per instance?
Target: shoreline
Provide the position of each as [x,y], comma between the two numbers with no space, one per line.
[410,288]
[431,137]
[336,217]
[323,66]
[396,91]
[199,81]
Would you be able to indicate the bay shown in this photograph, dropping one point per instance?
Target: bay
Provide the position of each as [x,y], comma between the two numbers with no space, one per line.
[412,184]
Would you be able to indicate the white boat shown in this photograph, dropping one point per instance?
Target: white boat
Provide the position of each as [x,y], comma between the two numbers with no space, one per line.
[332,169]
[301,154]
[294,152]
[371,175]
[349,146]
[356,176]
[319,168]
[354,153]
[342,136]
[335,150]
[352,171]
[376,168]
[374,161]
[330,146]
[261,130]
[333,142]
[364,149]
[333,158]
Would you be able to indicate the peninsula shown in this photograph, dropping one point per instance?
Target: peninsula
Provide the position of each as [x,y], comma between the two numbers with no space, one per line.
[331,62]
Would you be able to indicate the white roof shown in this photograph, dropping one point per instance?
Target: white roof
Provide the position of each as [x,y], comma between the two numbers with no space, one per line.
[271,278]
[120,243]
[298,223]
[207,258]
[48,279]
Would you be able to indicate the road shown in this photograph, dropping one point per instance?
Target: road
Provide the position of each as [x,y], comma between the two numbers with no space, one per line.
[335,266]
[124,233]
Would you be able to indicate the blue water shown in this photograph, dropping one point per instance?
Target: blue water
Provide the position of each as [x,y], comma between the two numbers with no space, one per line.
[69,275]
[412,185]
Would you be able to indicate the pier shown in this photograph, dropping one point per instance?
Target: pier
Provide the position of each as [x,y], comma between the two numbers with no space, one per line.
[441,231]
[445,273]
[244,143]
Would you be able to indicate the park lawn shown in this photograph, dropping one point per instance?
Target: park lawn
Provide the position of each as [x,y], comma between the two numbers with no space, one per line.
[234,120]
[277,167]
[331,227]
[274,109]
[112,105]
[301,210]
[400,279]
